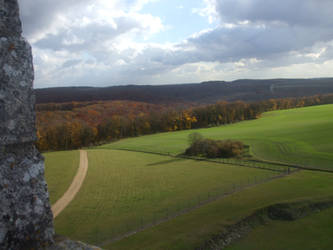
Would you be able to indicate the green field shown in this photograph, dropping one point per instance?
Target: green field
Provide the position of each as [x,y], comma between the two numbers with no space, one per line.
[60,169]
[312,232]
[192,230]
[300,136]
[124,189]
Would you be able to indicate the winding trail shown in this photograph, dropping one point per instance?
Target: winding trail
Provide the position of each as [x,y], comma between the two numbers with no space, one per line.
[75,186]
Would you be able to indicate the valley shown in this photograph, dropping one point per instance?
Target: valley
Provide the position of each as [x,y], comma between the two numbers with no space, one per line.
[144,185]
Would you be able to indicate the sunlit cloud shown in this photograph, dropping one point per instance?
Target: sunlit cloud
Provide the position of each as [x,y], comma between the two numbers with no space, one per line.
[107,42]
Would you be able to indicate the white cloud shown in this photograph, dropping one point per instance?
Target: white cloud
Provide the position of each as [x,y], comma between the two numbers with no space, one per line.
[208,11]
[106,42]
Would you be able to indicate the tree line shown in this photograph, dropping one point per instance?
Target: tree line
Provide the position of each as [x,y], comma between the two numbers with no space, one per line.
[94,124]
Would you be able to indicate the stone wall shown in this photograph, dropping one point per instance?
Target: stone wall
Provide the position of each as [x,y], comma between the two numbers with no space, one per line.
[25,214]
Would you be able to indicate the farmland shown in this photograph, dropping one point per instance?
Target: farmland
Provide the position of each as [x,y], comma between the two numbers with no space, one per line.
[193,229]
[297,136]
[122,188]
[60,171]
[126,188]
[316,227]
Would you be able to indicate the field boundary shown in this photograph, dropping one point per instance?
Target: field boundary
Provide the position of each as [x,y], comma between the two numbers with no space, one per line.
[238,163]
[250,163]
[294,166]
[75,186]
[277,212]
[202,203]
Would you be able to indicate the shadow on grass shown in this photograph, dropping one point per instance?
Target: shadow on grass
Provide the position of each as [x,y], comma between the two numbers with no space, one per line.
[166,162]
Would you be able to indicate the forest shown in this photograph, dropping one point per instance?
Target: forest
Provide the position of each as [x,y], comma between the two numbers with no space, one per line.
[63,126]
[210,92]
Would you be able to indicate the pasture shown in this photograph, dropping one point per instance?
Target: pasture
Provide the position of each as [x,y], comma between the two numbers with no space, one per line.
[126,187]
[193,229]
[316,229]
[60,169]
[299,136]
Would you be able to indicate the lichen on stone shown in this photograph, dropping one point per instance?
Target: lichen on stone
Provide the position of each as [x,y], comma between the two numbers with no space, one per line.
[25,213]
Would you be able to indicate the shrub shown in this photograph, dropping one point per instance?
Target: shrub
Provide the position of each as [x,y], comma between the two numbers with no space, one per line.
[193,137]
[215,148]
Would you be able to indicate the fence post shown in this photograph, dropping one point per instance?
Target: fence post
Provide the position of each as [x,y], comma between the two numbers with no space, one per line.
[154,219]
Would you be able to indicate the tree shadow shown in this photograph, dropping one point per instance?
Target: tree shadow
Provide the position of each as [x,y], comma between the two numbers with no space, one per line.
[166,162]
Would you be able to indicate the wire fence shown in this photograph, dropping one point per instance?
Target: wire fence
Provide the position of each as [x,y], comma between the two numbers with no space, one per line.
[145,222]
[250,163]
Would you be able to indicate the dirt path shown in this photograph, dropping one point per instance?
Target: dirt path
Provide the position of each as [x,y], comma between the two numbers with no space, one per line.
[75,186]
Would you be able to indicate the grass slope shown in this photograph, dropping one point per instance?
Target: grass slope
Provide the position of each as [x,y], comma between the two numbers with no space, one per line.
[299,136]
[191,230]
[122,188]
[60,169]
[312,232]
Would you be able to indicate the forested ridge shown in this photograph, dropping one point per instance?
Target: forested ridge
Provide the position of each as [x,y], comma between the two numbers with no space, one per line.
[200,93]
[77,124]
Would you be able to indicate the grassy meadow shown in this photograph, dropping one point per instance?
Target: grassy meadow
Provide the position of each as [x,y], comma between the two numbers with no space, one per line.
[60,169]
[125,187]
[316,229]
[122,188]
[193,229]
[300,136]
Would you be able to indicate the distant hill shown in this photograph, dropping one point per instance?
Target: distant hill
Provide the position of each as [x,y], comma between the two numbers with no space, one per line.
[203,93]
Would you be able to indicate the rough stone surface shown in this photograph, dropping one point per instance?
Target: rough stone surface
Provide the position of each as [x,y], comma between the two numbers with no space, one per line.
[25,213]
[62,243]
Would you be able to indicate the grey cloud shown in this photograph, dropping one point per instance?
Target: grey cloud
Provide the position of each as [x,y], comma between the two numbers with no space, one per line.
[293,12]
[38,15]
[223,44]
[279,33]
[272,45]
[276,29]
[70,63]
[89,37]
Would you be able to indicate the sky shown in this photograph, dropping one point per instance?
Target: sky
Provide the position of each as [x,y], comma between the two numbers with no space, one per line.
[120,42]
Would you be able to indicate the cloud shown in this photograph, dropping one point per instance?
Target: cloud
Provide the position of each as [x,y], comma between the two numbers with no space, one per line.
[88,36]
[276,33]
[40,16]
[106,42]
[247,41]
[43,17]
[291,12]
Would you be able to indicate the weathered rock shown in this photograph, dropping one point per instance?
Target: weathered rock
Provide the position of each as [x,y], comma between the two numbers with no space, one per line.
[62,243]
[25,214]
